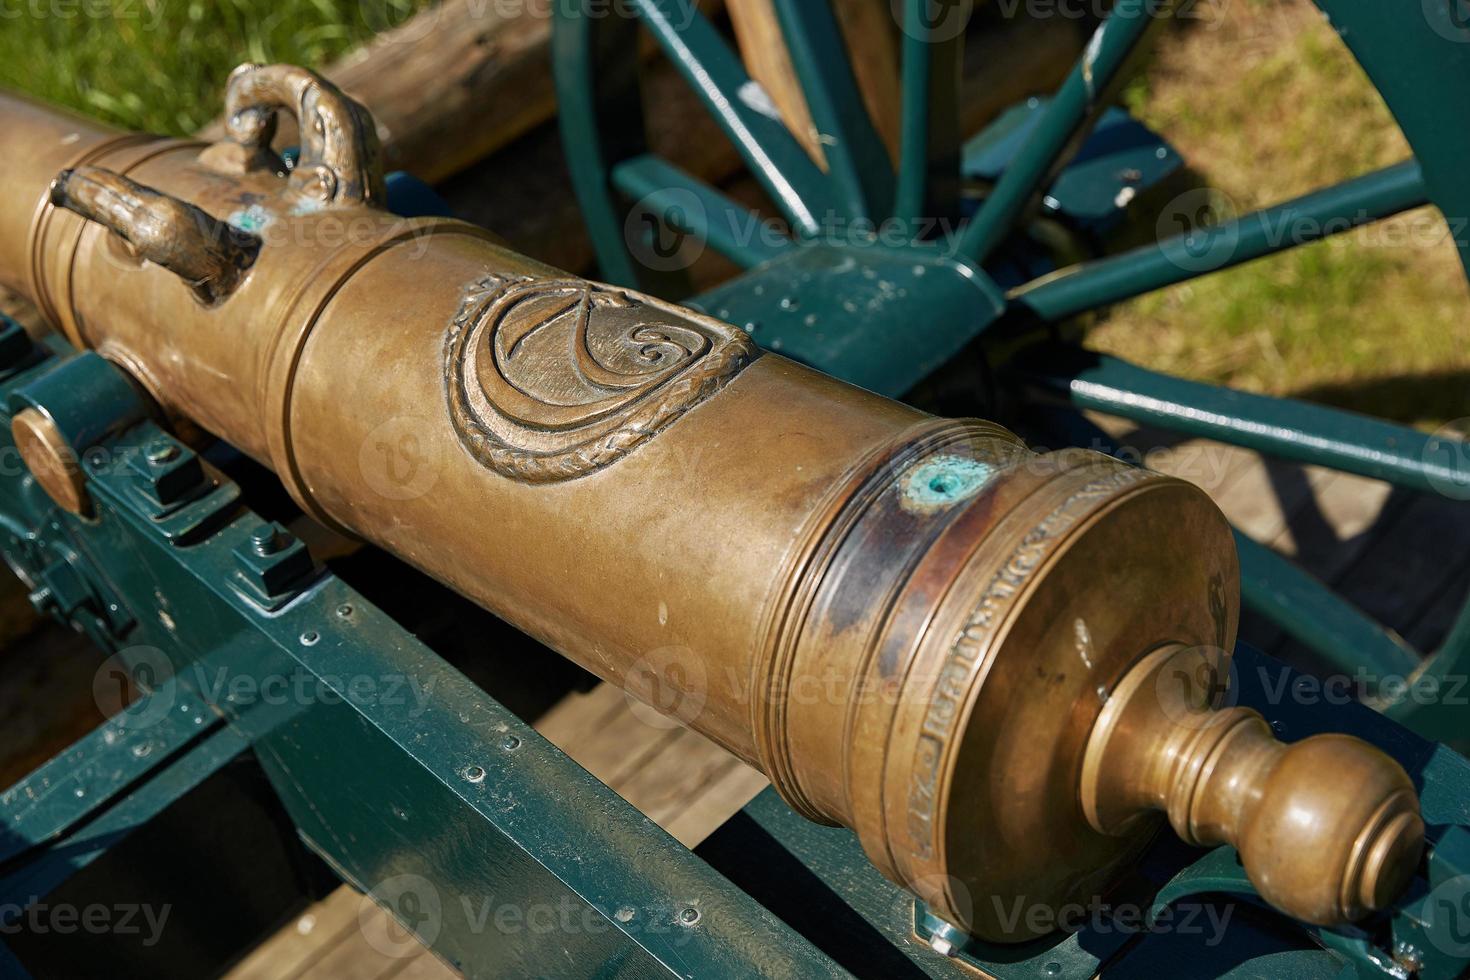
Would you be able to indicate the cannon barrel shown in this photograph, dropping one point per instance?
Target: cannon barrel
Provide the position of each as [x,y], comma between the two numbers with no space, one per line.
[999,668]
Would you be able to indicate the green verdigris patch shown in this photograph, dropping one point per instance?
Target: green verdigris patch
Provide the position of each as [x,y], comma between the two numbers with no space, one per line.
[944,480]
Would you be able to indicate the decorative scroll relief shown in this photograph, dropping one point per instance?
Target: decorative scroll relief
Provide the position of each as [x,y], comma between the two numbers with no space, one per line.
[552,379]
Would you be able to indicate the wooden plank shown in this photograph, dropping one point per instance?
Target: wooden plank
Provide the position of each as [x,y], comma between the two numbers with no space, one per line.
[1408,561]
[1429,628]
[678,778]
[342,937]
[667,783]
[378,948]
[613,741]
[870,28]
[768,61]
[716,803]
[303,940]
[1325,536]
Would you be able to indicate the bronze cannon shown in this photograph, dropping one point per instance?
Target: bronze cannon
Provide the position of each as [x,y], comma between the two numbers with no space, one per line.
[995,666]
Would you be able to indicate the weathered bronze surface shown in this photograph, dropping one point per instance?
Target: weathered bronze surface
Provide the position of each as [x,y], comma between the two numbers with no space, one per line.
[915,626]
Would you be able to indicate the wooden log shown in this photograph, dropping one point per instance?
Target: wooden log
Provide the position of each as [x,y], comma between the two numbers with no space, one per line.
[451,85]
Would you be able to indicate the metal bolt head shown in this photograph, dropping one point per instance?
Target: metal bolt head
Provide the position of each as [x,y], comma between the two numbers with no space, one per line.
[266,540]
[161,451]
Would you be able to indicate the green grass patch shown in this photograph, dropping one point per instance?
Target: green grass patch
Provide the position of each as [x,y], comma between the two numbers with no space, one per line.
[1266,105]
[160,65]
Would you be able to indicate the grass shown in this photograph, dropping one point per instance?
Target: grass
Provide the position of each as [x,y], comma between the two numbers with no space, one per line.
[1267,104]
[1259,95]
[160,65]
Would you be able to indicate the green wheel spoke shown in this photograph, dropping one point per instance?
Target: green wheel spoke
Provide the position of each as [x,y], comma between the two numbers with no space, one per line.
[856,157]
[687,203]
[1303,607]
[597,93]
[1280,427]
[743,109]
[1188,255]
[1434,705]
[929,148]
[1062,125]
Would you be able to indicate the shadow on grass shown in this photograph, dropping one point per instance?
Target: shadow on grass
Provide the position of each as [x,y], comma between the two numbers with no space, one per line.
[1423,400]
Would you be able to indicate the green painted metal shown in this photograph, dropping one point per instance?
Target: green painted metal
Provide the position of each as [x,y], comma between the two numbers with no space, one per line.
[1420,64]
[687,204]
[86,397]
[1201,251]
[597,92]
[1066,119]
[90,775]
[744,110]
[879,317]
[432,794]
[857,161]
[929,142]
[1279,427]
[1333,628]
[1435,704]
[22,881]
[1120,160]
